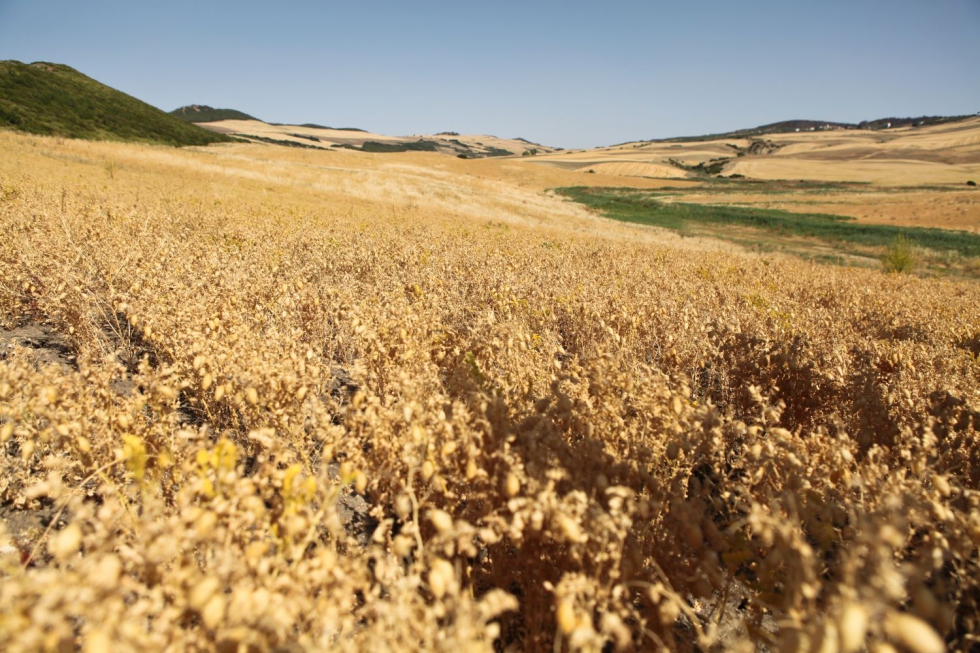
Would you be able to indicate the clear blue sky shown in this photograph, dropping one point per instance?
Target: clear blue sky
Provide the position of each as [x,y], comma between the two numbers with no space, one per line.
[571,74]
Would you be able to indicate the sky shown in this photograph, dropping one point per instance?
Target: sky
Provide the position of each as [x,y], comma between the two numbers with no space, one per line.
[562,73]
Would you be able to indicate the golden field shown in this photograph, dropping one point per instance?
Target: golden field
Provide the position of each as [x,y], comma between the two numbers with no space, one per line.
[312,400]
[326,137]
[906,156]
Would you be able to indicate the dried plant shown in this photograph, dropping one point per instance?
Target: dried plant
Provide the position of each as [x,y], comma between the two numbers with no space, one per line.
[293,426]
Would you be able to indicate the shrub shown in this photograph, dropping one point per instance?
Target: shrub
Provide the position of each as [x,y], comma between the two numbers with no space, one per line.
[900,255]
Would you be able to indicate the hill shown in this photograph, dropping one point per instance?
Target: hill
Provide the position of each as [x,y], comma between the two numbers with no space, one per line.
[203,113]
[891,151]
[54,99]
[792,126]
[463,146]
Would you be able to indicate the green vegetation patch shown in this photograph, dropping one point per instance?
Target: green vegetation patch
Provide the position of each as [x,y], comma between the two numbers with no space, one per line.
[497,151]
[277,141]
[55,100]
[204,113]
[649,207]
[413,146]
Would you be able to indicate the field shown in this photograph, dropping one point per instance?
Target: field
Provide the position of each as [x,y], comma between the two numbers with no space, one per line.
[906,156]
[947,207]
[256,398]
[318,136]
[709,211]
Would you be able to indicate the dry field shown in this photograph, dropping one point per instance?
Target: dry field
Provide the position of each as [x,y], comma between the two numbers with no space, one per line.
[939,154]
[908,177]
[256,399]
[327,138]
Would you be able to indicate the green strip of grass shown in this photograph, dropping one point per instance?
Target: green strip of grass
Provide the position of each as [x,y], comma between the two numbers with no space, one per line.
[646,207]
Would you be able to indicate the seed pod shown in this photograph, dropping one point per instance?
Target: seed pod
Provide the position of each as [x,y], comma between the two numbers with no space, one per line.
[402,546]
[203,592]
[214,612]
[441,520]
[669,612]
[853,627]
[166,392]
[205,524]
[913,634]
[676,405]
[512,485]
[66,542]
[403,506]
[48,394]
[97,641]
[328,559]
[106,573]
[570,529]
[565,616]
[442,578]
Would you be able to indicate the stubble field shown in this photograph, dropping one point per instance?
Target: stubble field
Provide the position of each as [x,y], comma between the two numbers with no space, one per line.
[255,399]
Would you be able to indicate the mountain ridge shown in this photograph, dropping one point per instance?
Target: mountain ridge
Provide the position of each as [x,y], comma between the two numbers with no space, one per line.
[792,126]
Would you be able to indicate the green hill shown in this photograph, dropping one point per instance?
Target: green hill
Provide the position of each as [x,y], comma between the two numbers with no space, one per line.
[54,99]
[204,113]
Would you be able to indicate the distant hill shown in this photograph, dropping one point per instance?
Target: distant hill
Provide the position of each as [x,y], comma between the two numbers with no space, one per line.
[54,99]
[204,113]
[313,125]
[787,126]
